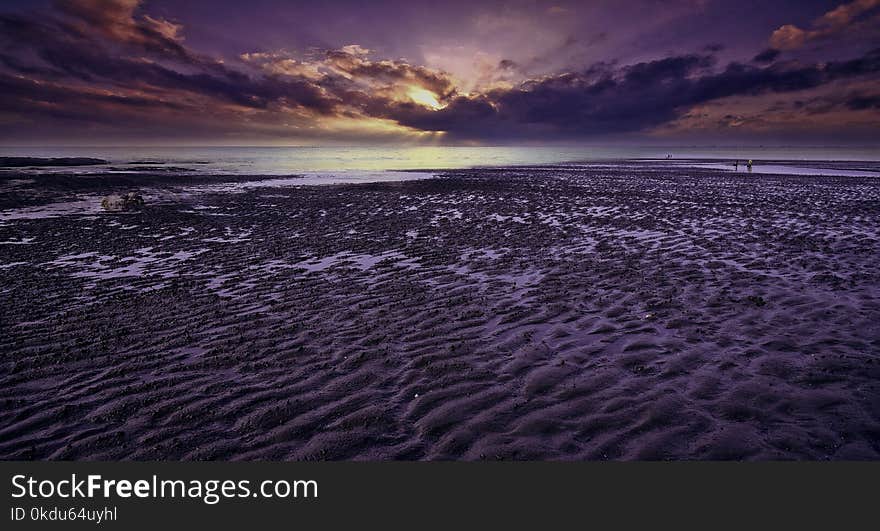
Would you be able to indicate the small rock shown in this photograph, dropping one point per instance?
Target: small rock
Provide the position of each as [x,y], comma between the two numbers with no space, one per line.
[757,300]
[122,203]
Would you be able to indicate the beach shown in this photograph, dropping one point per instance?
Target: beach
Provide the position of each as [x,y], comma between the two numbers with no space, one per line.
[622,312]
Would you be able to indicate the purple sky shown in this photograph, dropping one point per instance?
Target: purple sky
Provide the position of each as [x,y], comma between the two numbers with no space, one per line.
[287,73]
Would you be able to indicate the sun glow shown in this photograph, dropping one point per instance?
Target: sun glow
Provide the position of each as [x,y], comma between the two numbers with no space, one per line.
[424,97]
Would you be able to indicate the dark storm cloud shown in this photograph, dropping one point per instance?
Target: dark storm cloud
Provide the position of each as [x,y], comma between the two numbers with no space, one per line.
[767,56]
[855,100]
[114,19]
[58,50]
[109,62]
[632,98]
[863,102]
[50,102]
[107,45]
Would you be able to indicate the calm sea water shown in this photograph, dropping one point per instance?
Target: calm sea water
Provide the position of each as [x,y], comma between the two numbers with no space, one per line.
[368,161]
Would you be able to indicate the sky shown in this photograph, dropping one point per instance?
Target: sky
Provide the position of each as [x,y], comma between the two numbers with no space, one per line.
[281,72]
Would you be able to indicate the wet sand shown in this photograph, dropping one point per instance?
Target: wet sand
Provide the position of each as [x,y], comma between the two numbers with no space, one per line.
[543,313]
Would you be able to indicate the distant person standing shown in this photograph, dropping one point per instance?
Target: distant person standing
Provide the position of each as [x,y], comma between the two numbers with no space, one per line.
[750,165]
[736,165]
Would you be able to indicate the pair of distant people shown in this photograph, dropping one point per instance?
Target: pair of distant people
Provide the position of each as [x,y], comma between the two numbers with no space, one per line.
[736,165]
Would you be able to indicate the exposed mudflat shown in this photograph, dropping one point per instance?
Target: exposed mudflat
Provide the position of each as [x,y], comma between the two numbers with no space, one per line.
[486,314]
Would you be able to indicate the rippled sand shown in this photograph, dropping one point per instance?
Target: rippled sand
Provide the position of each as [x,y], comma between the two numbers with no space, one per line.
[492,314]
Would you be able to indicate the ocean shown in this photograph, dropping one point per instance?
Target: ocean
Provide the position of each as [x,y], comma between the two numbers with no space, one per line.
[370,163]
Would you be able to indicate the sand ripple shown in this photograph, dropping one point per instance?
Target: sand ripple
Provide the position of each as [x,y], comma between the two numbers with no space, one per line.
[572,314]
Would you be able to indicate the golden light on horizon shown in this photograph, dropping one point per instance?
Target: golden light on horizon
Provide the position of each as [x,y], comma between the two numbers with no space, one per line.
[423,97]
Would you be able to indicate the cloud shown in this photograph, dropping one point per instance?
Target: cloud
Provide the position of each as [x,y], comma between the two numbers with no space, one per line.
[861,102]
[104,59]
[105,64]
[60,50]
[767,56]
[352,64]
[357,83]
[844,18]
[359,67]
[604,100]
[117,20]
